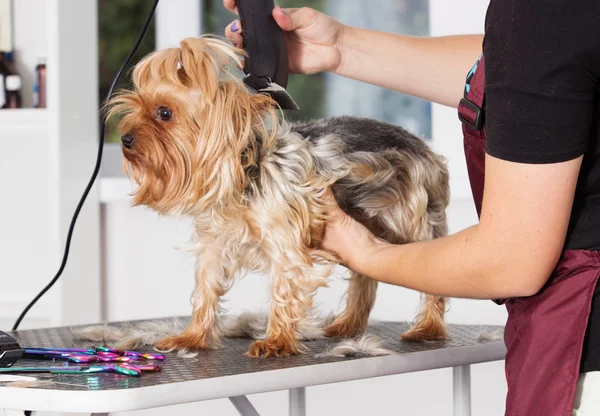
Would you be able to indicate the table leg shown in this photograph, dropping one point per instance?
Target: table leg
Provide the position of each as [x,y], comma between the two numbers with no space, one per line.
[298,401]
[461,377]
[243,405]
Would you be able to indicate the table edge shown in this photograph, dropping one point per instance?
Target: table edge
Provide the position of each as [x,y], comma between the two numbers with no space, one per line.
[73,401]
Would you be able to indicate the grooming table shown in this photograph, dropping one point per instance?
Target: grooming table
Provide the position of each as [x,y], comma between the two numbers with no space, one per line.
[227,373]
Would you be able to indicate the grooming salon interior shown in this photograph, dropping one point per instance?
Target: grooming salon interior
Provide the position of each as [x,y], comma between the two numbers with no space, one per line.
[121,275]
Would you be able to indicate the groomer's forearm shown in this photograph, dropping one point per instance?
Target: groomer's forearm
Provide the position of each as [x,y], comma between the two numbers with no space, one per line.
[462,265]
[432,68]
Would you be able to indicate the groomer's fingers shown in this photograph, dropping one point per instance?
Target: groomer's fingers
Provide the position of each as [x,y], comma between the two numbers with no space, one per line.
[294,18]
[230,5]
[233,32]
[333,208]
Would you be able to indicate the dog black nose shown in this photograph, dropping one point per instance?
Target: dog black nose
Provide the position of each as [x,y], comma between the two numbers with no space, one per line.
[127,140]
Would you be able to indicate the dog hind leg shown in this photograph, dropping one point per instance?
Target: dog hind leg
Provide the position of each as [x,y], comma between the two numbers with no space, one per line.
[360,298]
[429,324]
[403,199]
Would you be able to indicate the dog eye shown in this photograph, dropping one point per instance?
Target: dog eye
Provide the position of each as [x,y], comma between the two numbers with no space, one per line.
[164,113]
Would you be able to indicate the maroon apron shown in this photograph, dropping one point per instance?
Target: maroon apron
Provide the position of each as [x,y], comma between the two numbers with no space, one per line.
[544,333]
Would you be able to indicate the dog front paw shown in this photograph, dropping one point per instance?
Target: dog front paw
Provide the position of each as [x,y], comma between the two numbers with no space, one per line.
[271,348]
[183,342]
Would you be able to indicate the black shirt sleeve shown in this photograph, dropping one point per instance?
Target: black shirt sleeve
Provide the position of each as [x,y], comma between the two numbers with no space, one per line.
[540,78]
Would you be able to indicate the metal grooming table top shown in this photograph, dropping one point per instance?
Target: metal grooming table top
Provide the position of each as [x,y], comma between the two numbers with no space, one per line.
[228,373]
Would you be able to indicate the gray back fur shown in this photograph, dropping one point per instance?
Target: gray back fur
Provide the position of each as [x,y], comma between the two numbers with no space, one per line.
[362,134]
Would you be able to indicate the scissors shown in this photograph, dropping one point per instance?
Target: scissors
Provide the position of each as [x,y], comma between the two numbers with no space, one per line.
[75,357]
[99,354]
[125,353]
[124,369]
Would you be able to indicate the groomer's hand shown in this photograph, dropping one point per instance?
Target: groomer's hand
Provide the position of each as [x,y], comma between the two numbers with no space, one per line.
[313,38]
[348,239]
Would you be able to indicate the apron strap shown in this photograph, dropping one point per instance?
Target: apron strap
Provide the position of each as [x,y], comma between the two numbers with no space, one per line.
[470,108]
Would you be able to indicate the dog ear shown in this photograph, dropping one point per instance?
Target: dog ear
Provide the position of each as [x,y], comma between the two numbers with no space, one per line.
[156,67]
[199,63]
[205,61]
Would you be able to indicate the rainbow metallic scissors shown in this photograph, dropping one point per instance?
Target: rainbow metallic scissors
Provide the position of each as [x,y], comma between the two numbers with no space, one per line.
[109,368]
[125,353]
[99,354]
[75,357]
[102,351]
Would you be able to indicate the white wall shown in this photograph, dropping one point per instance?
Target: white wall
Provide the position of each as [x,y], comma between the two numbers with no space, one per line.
[172,25]
[141,258]
[25,229]
[46,158]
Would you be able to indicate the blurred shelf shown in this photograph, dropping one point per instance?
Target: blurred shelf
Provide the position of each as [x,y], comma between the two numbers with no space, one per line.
[25,118]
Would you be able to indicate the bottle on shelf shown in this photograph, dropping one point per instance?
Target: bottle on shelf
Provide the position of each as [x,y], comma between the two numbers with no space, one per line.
[39,84]
[4,72]
[13,96]
[10,81]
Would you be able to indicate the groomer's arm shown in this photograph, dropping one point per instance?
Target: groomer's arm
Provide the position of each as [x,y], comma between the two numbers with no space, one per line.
[432,68]
[539,118]
[511,252]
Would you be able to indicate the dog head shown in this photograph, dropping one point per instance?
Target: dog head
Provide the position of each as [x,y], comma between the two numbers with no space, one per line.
[189,126]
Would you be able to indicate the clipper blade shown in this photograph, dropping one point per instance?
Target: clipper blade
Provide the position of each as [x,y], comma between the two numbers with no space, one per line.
[275,91]
[283,99]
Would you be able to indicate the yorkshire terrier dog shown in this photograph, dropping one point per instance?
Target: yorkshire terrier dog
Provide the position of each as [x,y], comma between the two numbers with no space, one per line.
[199,143]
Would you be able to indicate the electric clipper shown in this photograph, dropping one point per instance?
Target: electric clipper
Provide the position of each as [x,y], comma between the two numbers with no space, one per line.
[266,66]
[10,350]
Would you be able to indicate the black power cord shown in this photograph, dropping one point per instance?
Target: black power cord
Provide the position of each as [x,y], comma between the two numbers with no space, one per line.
[103,116]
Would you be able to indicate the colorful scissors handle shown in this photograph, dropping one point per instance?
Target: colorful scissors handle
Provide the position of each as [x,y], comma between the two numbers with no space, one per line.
[111,368]
[101,351]
[78,357]
[125,353]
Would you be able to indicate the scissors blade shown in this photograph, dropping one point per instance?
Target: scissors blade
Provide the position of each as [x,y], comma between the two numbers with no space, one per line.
[38,369]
